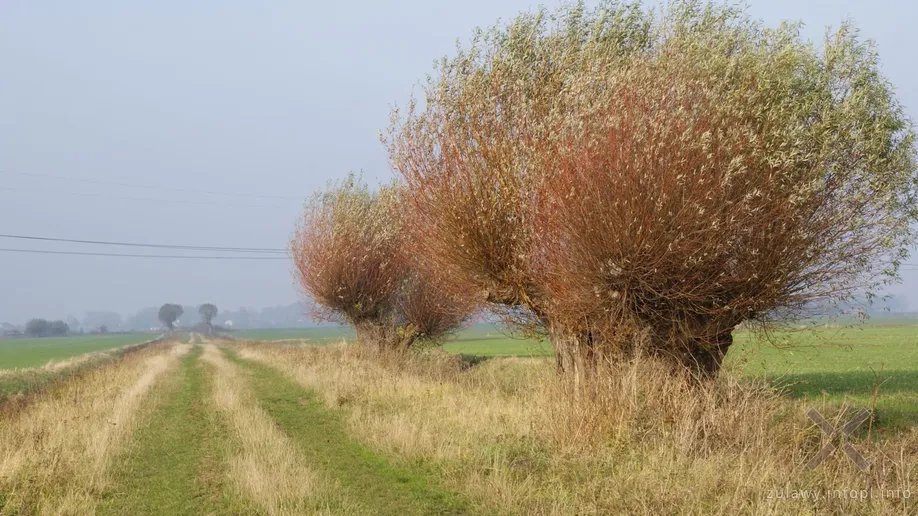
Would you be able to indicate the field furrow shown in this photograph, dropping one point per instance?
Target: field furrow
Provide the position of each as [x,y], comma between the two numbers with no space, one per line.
[265,466]
[174,464]
[326,441]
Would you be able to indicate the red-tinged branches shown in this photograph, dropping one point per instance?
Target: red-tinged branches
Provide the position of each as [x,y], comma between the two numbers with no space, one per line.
[350,260]
[750,180]
[626,182]
[471,159]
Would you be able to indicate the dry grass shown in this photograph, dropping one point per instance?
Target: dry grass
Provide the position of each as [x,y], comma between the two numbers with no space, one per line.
[267,468]
[639,441]
[55,453]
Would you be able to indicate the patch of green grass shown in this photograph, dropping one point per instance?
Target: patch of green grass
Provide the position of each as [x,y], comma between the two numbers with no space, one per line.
[488,340]
[22,353]
[174,463]
[833,365]
[323,436]
[324,335]
[841,366]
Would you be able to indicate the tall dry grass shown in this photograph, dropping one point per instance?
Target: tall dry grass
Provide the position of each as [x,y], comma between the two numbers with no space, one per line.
[266,466]
[639,440]
[55,452]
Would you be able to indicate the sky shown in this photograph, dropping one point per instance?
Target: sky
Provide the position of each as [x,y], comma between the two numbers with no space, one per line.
[261,102]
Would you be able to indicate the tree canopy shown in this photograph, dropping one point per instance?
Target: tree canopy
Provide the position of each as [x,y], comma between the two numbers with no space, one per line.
[623,180]
[169,313]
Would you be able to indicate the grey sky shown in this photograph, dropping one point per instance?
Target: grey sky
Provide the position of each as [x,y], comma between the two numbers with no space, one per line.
[262,98]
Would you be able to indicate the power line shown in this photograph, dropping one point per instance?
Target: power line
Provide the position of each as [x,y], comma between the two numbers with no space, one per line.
[38,251]
[159,246]
[154,187]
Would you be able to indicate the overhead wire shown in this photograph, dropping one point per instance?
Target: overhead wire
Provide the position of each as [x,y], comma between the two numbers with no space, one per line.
[159,246]
[188,257]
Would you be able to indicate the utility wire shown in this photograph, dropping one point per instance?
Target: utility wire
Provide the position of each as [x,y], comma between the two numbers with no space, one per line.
[38,251]
[154,187]
[159,246]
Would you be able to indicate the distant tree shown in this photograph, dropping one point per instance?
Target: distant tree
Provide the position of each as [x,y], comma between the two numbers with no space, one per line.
[103,329]
[59,328]
[208,311]
[351,259]
[169,313]
[38,328]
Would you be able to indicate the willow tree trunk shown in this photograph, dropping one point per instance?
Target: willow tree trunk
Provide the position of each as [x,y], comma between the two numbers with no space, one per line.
[704,357]
[574,356]
[383,337]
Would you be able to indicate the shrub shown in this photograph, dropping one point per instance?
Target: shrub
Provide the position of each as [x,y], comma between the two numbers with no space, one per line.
[350,259]
[622,181]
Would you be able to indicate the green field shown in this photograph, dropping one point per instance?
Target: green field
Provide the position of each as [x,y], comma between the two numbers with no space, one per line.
[481,340]
[21,353]
[841,366]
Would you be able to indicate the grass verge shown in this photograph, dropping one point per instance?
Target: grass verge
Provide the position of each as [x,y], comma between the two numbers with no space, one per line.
[18,386]
[56,453]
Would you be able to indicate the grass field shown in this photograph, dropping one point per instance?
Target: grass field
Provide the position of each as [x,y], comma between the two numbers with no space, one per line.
[22,353]
[251,427]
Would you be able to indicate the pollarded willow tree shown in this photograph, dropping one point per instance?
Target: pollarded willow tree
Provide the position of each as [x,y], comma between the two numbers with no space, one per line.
[629,182]
[351,261]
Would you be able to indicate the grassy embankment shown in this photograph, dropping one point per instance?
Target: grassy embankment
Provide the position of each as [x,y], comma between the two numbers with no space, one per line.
[56,452]
[17,384]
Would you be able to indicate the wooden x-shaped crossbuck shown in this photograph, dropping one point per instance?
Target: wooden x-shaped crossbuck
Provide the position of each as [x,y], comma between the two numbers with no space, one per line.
[832,432]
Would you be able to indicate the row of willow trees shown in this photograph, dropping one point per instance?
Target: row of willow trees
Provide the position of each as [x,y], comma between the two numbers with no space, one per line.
[624,181]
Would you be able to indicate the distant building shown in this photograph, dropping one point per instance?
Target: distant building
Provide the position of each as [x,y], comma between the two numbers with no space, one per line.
[228,323]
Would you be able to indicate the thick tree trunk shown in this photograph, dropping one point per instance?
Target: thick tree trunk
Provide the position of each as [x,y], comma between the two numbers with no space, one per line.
[573,355]
[576,358]
[381,337]
[704,358]
[369,334]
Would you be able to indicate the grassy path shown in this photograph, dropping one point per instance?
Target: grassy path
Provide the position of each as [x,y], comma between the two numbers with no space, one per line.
[174,465]
[323,436]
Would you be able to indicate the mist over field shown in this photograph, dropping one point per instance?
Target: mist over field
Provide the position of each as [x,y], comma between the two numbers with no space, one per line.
[209,124]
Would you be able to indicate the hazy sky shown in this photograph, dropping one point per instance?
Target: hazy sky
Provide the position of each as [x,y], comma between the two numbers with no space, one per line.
[267,99]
